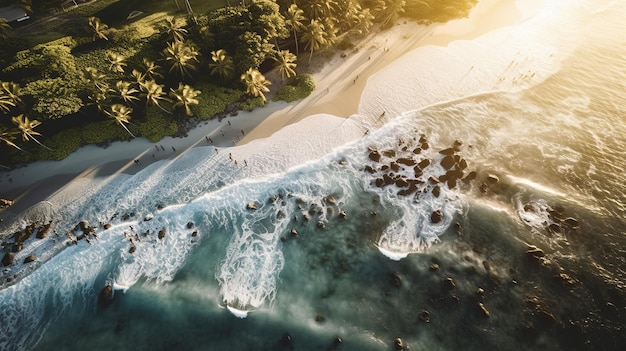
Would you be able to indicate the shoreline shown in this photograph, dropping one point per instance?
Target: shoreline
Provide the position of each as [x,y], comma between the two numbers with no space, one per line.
[340,84]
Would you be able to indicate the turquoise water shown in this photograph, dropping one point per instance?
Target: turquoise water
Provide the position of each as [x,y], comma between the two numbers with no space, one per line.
[327,253]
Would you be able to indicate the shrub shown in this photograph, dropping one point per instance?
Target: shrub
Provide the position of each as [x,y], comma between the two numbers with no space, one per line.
[297,88]
[252,103]
[214,100]
[155,126]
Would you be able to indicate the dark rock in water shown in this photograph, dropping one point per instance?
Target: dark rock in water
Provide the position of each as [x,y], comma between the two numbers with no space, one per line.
[417,151]
[447,162]
[286,342]
[492,179]
[189,225]
[388,180]
[162,233]
[105,298]
[194,234]
[294,232]
[451,183]
[394,279]
[30,259]
[374,156]
[125,216]
[399,345]
[337,341]
[8,259]
[483,310]
[343,214]
[462,164]
[281,214]
[394,167]
[434,267]
[423,163]
[319,318]
[107,226]
[554,228]
[529,208]
[401,183]
[457,145]
[534,252]
[132,249]
[84,226]
[449,151]
[389,153]
[384,167]
[424,146]
[406,161]
[272,199]
[572,222]
[43,231]
[18,247]
[5,203]
[251,206]
[330,200]
[436,191]
[449,283]
[433,180]
[321,225]
[470,176]
[436,216]
[424,316]
[380,182]
[369,169]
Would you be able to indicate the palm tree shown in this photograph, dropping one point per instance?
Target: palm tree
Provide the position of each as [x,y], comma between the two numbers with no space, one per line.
[153,93]
[331,30]
[121,115]
[7,136]
[222,64]
[256,84]
[364,21]
[9,95]
[27,128]
[125,91]
[181,57]
[391,12]
[174,27]
[293,20]
[6,30]
[185,96]
[97,28]
[286,63]
[98,79]
[140,78]
[116,62]
[314,37]
[151,69]
[318,9]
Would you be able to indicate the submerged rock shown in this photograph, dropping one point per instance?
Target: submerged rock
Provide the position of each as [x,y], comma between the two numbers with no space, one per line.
[424,316]
[483,310]
[399,344]
[251,206]
[436,216]
[8,259]
[105,298]
[30,259]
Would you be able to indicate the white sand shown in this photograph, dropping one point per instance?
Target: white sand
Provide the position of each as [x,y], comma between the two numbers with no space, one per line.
[340,83]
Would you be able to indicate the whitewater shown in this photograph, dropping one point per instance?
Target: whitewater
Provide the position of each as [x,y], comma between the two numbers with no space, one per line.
[349,233]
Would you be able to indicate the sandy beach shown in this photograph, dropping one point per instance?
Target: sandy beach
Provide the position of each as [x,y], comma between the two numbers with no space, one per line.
[340,83]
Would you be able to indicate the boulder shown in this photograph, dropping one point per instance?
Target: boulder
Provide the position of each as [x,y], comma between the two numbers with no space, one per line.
[436,216]
[8,259]
[470,176]
[162,233]
[389,153]
[406,161]
[436,191]
[83,225]
[447,162]
[281,214]
[449,151]
[293,232]
[424,316]
[534,252]
[401,183]
[451,183]
[423,163]
[492,179]
[105,298]
[457,145]
[374,156]
[572,222]
[251,206]
[132,249]
[5,203]
[369,169]
[483,310]
[399,345]
[449,283]
[379,182]
[394,279]
[417,151]
[30,259]
[189,225]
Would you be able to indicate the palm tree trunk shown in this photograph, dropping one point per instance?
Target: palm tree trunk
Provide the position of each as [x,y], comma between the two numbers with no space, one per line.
[296,38]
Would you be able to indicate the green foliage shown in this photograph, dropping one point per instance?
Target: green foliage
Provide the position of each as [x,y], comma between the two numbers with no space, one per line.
[52,98]
[252,103]
[215,100]
[155,126]
[101,131]
[428,11]
[298,88]
[61,144]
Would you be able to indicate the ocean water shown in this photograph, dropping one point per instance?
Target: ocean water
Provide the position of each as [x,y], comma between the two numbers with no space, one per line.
[330,236]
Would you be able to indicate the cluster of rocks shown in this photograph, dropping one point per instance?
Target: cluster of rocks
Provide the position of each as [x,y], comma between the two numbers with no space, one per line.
[404,167]
[5,203]
[558,222]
